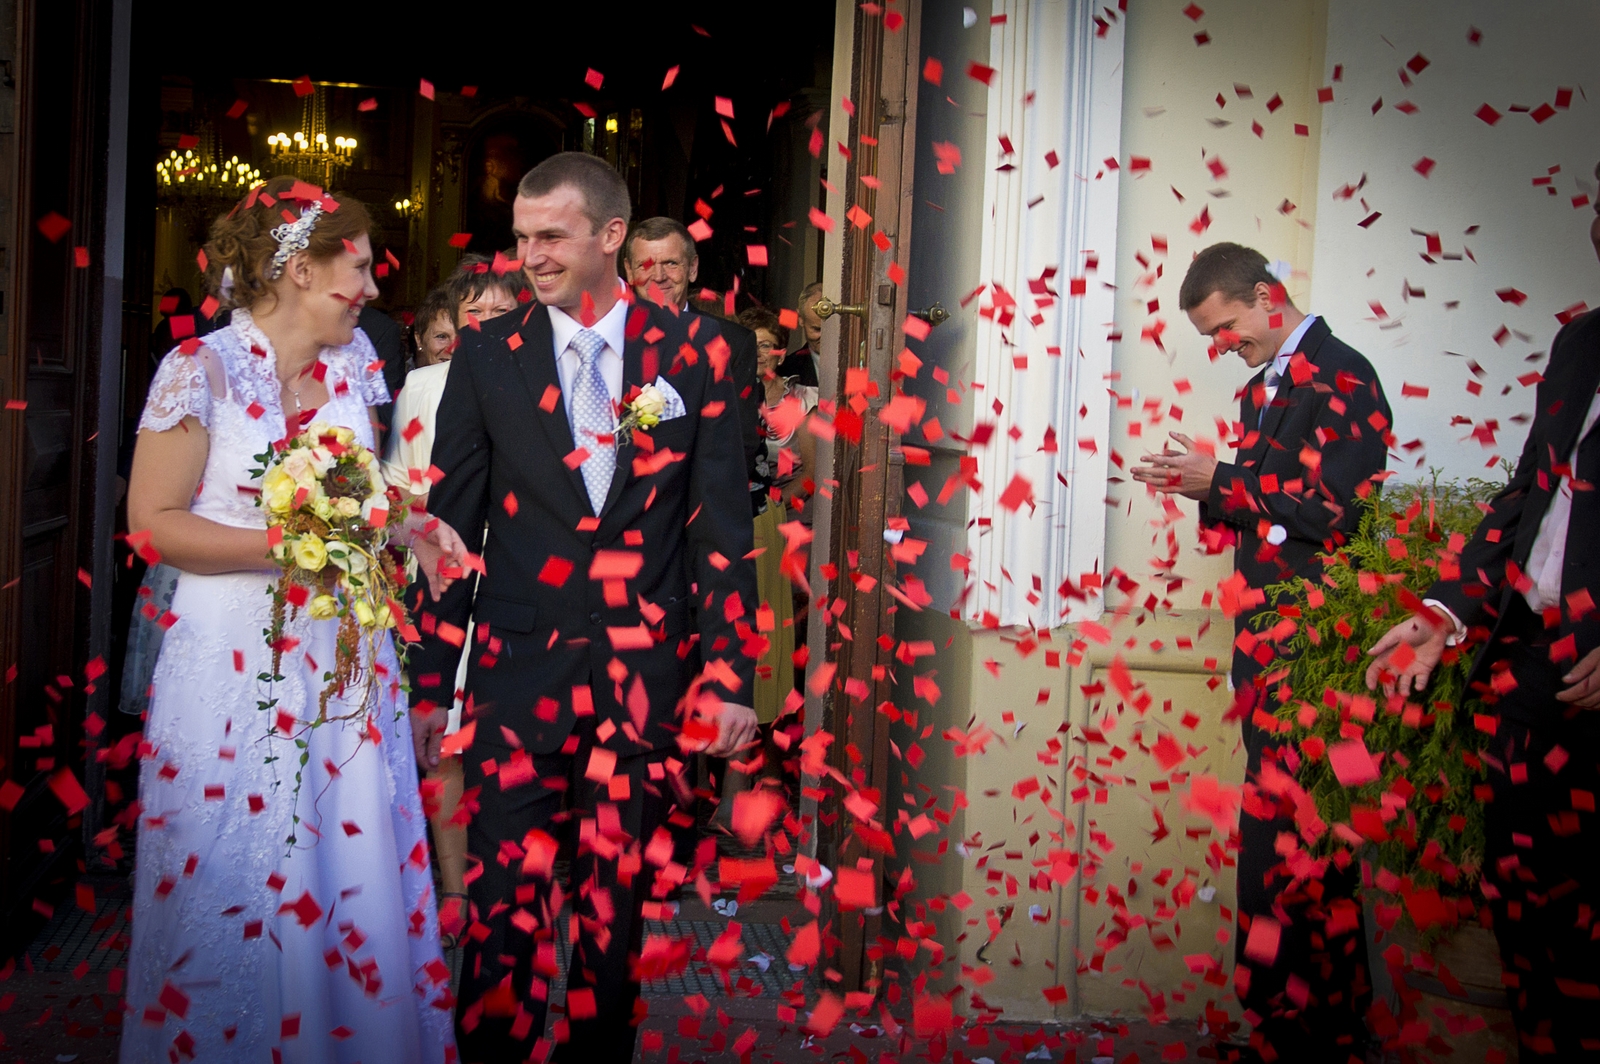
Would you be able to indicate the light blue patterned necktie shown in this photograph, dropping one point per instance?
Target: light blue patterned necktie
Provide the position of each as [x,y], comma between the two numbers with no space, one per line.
[592,417]
[1269,392]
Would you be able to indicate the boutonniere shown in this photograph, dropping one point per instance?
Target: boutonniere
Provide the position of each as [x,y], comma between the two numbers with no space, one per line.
[643,410]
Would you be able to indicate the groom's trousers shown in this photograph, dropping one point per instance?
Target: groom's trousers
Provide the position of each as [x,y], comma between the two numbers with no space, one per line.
[509,948]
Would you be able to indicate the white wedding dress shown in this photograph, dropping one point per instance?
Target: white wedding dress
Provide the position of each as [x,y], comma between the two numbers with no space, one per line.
[246,947]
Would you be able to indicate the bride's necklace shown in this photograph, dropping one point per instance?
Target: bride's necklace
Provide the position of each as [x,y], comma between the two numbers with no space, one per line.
[294,393]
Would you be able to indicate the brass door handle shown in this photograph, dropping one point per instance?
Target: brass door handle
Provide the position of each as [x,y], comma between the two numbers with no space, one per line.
[934,315]
[826,308]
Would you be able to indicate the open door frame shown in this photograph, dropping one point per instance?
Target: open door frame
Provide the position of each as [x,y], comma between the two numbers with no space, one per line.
[876,68]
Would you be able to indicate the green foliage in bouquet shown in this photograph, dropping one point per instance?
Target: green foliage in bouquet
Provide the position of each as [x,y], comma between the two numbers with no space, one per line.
[1419,822]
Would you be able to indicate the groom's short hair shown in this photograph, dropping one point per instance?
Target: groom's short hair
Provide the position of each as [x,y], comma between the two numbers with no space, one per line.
[1232,269]
[605,193]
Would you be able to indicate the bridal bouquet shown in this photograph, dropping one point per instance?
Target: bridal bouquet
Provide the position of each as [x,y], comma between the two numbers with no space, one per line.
[329,521]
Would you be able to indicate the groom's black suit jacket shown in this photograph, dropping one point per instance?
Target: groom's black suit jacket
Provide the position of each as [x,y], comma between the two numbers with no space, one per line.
[1313,445]
[1482,592]
[548,642]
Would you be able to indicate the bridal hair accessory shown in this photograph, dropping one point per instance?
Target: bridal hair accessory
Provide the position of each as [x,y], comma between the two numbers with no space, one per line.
[227,282]
[292,237]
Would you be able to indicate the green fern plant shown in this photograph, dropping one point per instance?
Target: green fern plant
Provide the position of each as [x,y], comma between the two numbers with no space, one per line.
[1420,823]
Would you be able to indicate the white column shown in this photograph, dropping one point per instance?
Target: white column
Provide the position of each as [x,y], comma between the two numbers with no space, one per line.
[1056,94]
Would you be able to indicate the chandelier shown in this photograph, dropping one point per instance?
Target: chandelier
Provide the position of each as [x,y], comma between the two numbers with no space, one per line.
[307,153]
[199,173]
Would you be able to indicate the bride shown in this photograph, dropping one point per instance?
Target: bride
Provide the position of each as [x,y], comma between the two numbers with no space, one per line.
[283,899]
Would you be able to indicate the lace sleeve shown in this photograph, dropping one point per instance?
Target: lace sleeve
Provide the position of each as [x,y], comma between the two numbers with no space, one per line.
[364,373]
[182,386]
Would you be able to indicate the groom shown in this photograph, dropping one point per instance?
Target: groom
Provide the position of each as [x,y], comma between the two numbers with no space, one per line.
[606,640]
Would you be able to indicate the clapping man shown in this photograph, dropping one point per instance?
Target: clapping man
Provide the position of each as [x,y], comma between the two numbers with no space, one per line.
[1524,588]
[1314,421]
[616,571]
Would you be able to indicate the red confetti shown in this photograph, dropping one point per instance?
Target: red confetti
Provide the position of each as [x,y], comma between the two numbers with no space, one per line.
[54,227]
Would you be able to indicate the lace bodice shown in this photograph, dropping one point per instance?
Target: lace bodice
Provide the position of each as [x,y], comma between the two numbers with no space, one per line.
[230,385]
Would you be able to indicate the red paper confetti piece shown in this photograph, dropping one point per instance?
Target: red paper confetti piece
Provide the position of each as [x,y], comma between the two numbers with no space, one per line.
[54,227]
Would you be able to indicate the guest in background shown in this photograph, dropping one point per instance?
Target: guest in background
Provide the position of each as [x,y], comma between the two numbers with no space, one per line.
[801,363]
[483,288]
[788,451]
[433,332]
[406,463]
[179,321]
[661,263]
[384,332]
[1523,594]
[791,449]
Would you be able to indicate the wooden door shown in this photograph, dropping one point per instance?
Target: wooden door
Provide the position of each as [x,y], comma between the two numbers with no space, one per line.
[60,374]
[875,69]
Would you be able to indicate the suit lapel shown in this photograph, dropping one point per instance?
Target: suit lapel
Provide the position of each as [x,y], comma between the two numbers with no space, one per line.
[536,358]
[1578,393]
[632,377]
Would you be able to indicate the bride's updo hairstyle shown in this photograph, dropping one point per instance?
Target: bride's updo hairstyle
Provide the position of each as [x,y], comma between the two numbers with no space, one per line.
[239,265]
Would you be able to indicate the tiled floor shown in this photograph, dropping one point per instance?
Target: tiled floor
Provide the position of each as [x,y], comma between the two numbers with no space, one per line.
[76,942]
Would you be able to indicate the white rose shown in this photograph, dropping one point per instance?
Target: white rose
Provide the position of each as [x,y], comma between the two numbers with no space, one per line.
[346,507]
[651,402]
[322,460]
[297,463]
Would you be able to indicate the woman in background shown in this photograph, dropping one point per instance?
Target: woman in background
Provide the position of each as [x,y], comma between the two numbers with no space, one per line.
[790,453]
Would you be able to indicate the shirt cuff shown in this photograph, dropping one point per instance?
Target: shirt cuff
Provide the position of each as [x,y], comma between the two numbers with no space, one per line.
[1460,631]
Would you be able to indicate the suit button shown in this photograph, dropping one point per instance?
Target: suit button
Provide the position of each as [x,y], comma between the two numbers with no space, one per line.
[594,618]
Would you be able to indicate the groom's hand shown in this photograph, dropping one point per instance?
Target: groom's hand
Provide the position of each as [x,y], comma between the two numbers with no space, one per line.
[736,728]
[427,732]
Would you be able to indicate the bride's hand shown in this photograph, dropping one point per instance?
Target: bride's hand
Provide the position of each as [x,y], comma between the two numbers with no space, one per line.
[437,547]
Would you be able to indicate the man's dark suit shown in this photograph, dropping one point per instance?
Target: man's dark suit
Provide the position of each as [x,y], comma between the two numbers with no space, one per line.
[384,332]
[583,652]
[743,368]
[1548,889]
[801,363]
[1298,467]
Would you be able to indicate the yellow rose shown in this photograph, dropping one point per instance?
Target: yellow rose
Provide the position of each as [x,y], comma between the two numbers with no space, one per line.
[344,435]
[385,617]
[346,507]
[324,607]
[364,614]
[309,553]
[277,490]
